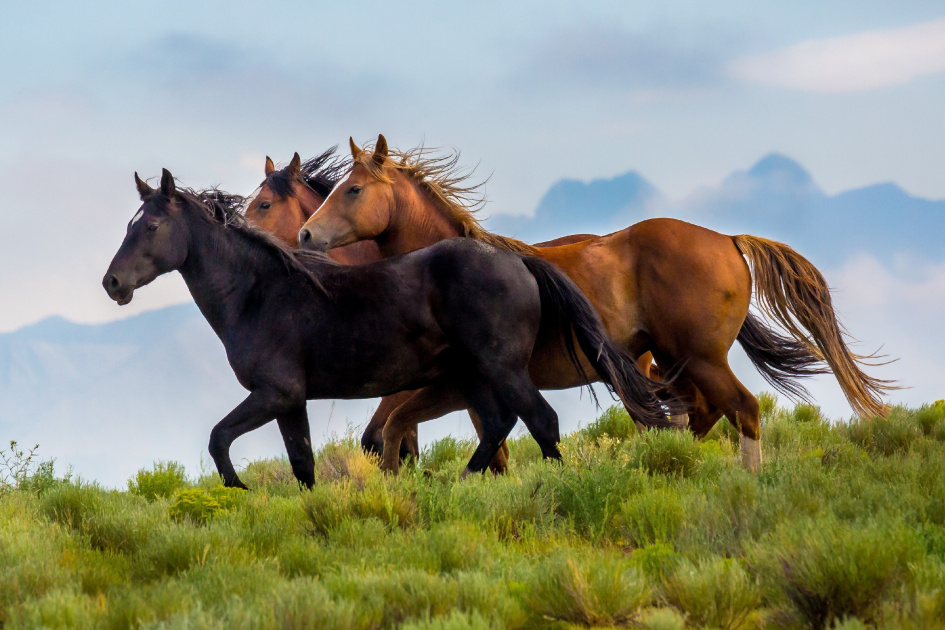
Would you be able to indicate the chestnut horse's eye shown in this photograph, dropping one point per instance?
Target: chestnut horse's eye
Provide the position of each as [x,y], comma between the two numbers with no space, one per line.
[354,190]
[152,227]
[264,205]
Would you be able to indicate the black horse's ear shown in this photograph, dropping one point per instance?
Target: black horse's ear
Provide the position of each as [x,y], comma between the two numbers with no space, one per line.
[270,167]
[380,150]
[168,187]
[144,191]
[295,166]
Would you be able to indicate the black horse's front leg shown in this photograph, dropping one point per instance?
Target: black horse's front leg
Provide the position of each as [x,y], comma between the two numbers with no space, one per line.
[296,434]
[256,410]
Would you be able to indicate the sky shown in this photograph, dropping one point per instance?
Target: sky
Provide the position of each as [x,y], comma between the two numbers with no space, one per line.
[683,92]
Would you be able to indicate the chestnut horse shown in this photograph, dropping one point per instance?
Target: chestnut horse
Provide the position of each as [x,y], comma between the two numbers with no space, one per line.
[284,200]
[666,286]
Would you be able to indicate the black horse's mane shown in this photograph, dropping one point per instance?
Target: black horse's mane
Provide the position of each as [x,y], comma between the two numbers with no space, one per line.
[226,209]
[320,173]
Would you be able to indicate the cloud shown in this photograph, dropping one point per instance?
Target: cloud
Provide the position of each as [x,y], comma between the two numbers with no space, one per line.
[611,58]
[851,63]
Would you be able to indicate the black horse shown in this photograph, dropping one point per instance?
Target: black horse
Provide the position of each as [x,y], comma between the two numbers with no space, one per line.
[456,319]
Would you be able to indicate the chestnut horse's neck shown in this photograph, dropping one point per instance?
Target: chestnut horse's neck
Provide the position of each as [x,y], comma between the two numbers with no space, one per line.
[416,220]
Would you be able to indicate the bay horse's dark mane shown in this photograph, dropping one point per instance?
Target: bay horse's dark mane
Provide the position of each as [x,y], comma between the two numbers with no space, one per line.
[226,210]
[319,173]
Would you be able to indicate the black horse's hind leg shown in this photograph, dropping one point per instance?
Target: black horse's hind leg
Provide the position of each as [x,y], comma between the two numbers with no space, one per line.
[537,415]
[297,437]
[256,410]
[497,420]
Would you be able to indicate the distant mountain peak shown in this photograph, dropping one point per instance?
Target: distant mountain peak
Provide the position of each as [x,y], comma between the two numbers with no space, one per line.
[776,165]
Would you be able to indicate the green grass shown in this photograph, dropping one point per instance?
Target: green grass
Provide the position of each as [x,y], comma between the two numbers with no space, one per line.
[843,527]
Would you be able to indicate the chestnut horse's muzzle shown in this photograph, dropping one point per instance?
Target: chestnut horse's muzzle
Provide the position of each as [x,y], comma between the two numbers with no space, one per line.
[312,241]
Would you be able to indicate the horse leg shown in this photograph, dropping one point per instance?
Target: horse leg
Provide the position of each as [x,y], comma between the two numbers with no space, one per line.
[541,419]
[372,441]
[256,410]
[499,401]
[721,389]
[426,404]
[500,462]
[297,437]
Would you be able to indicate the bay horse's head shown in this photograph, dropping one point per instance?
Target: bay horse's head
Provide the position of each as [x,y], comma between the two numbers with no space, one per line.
[156,241]
[360,206]
[288,196]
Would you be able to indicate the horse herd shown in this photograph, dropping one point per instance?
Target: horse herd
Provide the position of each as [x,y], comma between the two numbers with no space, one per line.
[372,277]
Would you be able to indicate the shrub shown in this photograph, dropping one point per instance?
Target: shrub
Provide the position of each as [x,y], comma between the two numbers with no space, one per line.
[615,423]
[829,570]
[16,466]
[326,506]
[453,546]
[767,406]
[656,561]
[173,549]
[718,593]
[662,619]
[71,504]
[590,485]
[162,481]
[445,453]
[307,605]
[456,620]
[594,590]
[653,516]
[200,506]
[668,453]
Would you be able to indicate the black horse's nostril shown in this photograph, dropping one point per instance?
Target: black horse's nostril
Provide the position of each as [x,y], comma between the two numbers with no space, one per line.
[111,283]
[305,236]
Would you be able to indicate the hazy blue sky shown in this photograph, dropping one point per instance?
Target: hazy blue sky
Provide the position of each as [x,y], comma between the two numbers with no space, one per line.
[683,92]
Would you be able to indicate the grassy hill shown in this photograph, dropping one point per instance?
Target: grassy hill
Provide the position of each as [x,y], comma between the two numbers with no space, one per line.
[844,525]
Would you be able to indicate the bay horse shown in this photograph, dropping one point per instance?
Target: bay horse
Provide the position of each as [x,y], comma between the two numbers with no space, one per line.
[457,320]
[666,286]
[282,203]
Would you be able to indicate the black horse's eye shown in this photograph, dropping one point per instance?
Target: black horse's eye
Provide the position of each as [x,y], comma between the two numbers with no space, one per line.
[354,190]
[152,227]
[264,205]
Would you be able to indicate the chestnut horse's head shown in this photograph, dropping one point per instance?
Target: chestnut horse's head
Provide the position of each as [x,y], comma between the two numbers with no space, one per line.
[156,241]
[360,206]
[288,196]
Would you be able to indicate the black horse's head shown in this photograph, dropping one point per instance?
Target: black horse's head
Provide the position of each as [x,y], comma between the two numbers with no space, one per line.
[156,241]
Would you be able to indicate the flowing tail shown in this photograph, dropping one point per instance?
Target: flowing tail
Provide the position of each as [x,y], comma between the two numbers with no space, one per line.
[792,292]
[780,360]
[566,309]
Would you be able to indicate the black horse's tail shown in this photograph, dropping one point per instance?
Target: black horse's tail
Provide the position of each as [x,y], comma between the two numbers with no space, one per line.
[781,360]
[564,307]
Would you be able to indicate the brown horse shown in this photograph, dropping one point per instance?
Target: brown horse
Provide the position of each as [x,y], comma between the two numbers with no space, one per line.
[285,200]
[672,288]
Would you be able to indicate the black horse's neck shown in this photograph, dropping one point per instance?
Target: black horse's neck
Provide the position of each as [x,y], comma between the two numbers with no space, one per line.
[224,267]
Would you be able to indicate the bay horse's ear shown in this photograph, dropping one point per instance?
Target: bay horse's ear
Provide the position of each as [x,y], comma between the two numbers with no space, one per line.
[380,150]
[168,187]
[270,167]
[295,166]
[144,191]
[355,151]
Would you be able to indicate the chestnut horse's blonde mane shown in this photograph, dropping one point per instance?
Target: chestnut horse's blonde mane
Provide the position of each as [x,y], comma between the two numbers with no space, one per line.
[440,177]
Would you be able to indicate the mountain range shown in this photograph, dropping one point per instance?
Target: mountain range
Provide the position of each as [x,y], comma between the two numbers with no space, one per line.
[111,398]
[775,198]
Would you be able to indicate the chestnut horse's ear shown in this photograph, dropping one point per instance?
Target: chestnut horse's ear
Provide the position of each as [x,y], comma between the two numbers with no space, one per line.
[355,151]
[168,187]
[270,167]
[144,191]
[380,150]
[295,166]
